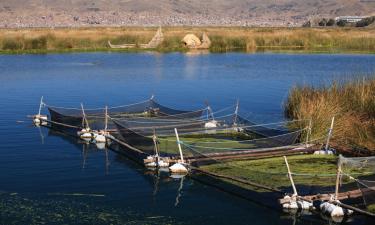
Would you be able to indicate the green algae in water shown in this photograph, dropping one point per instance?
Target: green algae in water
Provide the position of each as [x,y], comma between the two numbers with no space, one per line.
[24,209]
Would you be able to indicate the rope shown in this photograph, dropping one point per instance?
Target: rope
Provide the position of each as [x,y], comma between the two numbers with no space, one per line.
[244,141]
[90,109]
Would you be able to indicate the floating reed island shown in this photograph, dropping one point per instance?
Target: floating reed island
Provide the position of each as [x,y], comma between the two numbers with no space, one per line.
[216,39]
[225,149]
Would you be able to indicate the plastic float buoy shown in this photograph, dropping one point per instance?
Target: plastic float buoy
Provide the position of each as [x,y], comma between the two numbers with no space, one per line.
[99,138]
[178,168]
[100,145]
[211,124]
[85,133]
[156,163]
[162,163]
[324,152]
[293,203]
[40,119]
[334,210]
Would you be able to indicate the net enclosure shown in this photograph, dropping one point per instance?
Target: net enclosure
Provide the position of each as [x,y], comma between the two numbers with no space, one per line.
[361,171]
[214,134]
[96,118]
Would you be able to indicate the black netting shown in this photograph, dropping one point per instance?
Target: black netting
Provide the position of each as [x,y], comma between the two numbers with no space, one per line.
[96,117]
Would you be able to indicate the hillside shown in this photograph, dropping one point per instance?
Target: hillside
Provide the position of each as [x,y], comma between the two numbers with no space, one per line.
[23,13]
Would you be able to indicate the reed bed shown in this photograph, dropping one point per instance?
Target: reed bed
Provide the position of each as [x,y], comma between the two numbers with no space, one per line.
[353,105]
[223,39]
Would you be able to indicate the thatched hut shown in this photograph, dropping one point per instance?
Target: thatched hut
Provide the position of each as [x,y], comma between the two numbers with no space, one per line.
[193,42]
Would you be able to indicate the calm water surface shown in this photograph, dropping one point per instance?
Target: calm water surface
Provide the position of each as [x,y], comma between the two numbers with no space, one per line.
[49,178]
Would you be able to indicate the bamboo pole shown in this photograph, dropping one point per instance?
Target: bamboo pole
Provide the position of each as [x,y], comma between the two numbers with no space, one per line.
[329,133]
[106,120]
[236,112]
[290,177]
[308,133]
[40,106]
[84,118]
[179,145]
[337,180]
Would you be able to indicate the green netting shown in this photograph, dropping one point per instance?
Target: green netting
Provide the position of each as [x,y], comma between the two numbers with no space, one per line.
[362,171]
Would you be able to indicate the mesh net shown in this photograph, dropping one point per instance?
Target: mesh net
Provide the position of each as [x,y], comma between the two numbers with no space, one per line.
[206,136]
[361,170]
[74,117]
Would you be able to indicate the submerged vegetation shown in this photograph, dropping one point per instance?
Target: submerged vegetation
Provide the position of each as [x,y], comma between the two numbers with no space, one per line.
[223,39]
[353,105]
[272,172]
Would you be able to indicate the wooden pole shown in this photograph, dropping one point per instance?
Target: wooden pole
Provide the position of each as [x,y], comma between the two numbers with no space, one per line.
[40,106]
[84,118]
[179,145]
[337,180]
[236,112]
[290,177]
[308,133]
[329,133]
[154,138]
[106,120]
[354,209]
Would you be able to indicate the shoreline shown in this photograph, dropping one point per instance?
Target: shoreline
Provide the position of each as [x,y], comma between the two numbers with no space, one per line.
[224,39]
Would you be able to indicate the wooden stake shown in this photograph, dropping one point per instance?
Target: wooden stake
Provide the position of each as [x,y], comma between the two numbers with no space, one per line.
[330,133]
[308,133]
[338,180]
[40,106]
[106,120]
[236,112]
[290,177]
[84,118]
[179,145]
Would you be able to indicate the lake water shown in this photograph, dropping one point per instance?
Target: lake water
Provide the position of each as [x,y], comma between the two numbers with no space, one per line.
[49,178]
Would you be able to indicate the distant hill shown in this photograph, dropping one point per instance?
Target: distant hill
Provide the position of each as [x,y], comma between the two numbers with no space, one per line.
[175,12]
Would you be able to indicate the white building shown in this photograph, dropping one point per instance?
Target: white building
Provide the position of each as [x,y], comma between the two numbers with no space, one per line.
[350,19]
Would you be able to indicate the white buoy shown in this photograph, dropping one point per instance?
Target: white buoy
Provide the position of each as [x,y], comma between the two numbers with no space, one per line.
[294,203]
[179,167]
[100,138]
[85,133]
[162,163]
[100,145]
[324,152]
[211,124]
[334,210]
[38,118]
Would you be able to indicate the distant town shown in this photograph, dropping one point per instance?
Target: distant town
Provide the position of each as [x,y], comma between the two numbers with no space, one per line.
[106,18]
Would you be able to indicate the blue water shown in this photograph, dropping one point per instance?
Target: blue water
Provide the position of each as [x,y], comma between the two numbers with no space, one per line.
[47,177]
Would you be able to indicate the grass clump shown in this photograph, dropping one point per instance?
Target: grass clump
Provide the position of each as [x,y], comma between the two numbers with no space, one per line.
[352,103]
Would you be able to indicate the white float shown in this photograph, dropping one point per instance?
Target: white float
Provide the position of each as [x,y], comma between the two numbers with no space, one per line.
[38,118]
[211,124]
[100,145]
[99,138]
[294,203]
[156,161]
[85,133]
[327,150]
[334,210]
[324,152]
[178,168]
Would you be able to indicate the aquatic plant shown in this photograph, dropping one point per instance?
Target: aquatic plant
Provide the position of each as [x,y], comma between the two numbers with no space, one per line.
[347,39]
[352,103]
